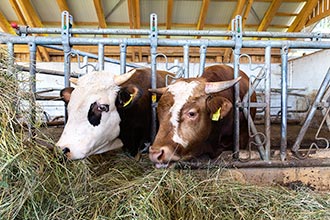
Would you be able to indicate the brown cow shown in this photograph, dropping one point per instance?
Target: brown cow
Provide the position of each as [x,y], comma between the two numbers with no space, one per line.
[196,116]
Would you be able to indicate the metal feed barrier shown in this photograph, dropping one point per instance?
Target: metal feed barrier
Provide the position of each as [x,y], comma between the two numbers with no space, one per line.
[63,39]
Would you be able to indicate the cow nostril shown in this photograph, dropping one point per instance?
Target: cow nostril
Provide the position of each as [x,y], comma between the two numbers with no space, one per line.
[66,150]
[161,152]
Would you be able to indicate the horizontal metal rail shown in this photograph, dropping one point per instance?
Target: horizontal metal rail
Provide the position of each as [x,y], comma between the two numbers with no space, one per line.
[107,31]
[39,40]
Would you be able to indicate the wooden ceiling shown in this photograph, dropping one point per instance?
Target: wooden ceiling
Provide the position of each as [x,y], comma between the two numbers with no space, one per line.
[257,15]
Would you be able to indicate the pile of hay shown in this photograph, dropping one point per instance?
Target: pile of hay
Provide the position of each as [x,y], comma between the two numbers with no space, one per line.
[36,184]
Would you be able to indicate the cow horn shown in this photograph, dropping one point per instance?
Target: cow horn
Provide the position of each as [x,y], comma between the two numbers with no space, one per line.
[120,79]
[213,87]
[159,91]
[74,80]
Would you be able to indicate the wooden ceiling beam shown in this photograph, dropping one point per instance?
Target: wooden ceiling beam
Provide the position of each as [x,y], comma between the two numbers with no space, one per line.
[269,15]
[247,12]
[63,5]
[100,14]
[18,12]
[137,15]
[32,19]
[300,21]
[203,14]
[5,24]
[321,11]
[169,14]
[238,11]
[134,14]
[134,21]
[130,13]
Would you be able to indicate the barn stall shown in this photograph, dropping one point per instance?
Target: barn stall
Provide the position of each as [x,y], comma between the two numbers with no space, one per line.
[283,100]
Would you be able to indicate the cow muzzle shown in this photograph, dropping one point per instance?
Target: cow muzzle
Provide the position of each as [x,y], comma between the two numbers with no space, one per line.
[162,156]
[66,153]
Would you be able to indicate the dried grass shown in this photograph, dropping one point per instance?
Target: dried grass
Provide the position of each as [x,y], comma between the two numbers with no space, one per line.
[36,184]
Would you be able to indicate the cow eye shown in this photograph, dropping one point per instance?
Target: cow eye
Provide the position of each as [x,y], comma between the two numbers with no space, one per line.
[192,114]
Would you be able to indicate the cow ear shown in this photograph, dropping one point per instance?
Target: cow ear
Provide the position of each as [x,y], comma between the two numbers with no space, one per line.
[128,95]
[65,94]
[218,107]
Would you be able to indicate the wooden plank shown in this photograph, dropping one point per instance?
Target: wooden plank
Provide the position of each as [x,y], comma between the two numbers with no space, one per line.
[100,14]
[63,5]
[18,12]
[237,11]
[169,14]
[269,15]
[202,15]
[5,25]
[247,12]
[301,19]
[33,20]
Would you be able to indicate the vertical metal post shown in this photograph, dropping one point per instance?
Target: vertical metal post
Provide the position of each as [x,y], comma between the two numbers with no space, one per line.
[123,49]
[153,47]
[237,50]
[202,54]
[311,112]
[66,25]
[101,57]
[267,101]
[284,101]
[10,48]
[33,87]
[186,61]
[85,63]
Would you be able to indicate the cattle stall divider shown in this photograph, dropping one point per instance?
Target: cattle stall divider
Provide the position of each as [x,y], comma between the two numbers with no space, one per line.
[236,39]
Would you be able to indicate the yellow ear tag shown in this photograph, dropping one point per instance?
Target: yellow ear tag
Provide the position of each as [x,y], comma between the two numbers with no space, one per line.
[216,116]
[154,98]
[129,101]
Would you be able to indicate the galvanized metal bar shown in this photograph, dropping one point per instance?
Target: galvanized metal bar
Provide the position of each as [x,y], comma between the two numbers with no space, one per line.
[39,40]
[101,57]
[66,47]
[267,101]
[312,110]
[153,51]
[123,50]
[284,101]
[202,59]
[246,103]
[33,86]
[237,27]
[107,31]
[85,64]
[10,49]
[65,39]
[186,61]
[82,53]
[45,71]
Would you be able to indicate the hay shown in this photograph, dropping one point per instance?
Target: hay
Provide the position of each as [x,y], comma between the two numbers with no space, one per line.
[36,184]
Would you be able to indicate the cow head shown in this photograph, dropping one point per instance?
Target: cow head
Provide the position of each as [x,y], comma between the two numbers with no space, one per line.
[185,112]
[93,121]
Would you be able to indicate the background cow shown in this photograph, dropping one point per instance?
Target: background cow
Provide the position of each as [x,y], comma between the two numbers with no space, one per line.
[106,112]
[196,116]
